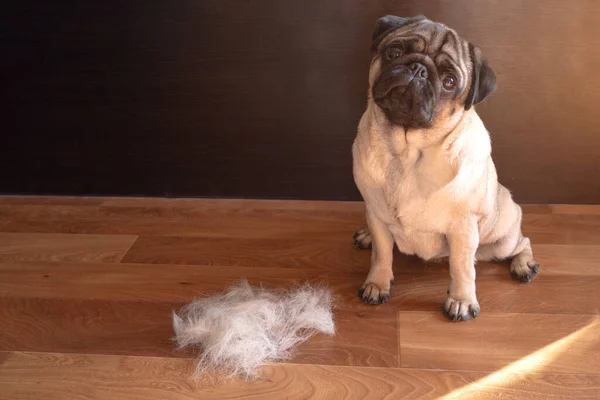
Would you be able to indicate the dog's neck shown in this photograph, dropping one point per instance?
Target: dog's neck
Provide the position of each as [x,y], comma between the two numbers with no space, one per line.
[464,134]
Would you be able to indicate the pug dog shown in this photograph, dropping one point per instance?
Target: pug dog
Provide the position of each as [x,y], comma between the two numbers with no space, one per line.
[422,163]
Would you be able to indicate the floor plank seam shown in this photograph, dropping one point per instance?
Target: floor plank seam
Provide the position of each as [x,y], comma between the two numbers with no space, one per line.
[127,250]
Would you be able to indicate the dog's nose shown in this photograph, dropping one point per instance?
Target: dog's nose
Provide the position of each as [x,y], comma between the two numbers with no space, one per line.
[418,70]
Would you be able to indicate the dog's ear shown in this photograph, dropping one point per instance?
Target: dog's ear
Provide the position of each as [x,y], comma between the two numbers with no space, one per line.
[385,25]
[483,78]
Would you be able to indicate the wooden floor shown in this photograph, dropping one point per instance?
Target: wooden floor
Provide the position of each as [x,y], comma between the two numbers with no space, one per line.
[87,287]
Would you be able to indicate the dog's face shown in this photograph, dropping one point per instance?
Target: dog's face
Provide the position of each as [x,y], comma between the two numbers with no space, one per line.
[423,72]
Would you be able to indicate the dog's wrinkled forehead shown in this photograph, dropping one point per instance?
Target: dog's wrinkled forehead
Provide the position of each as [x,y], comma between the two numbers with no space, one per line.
[400,41]
[419,35]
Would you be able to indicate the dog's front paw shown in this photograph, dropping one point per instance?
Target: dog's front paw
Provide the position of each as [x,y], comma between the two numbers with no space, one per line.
[372,293]
[524,268]
[362,239]
[460,309]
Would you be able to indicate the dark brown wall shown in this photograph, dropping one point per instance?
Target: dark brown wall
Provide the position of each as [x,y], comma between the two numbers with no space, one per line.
[261,98]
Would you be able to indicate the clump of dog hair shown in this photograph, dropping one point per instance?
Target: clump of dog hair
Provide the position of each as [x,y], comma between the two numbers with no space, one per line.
[247,327]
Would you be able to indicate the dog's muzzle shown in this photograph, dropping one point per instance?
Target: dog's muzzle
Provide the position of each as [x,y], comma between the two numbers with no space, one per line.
[405,95]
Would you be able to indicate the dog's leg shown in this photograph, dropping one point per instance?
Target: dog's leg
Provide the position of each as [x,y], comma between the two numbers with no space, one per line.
[461,303]
[376,289]
[515,247]
[523,266]
[362,239]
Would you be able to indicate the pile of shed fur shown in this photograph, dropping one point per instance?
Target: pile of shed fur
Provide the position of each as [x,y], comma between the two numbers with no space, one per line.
[247,327]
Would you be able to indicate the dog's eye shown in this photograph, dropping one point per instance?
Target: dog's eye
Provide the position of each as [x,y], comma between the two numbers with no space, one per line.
[393,52]
[449,82]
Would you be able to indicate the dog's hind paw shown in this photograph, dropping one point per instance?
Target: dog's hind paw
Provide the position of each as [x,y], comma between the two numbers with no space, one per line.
[523,268]
[362,239]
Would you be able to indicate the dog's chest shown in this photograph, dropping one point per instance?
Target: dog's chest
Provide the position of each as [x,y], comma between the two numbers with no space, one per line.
[405,181]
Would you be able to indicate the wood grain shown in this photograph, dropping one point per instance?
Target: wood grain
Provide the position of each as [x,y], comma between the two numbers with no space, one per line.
[498,292]
[225,204]
[255,220]
[579,209]
[272,252]
[145,329]
[4,355]
[90,326]
[568,259]
[580,229]
[133,282]
[565,343]
[245,204]
[334,253]
[60,247]
[201,219]
[362,338]
[29,376]
[417,288]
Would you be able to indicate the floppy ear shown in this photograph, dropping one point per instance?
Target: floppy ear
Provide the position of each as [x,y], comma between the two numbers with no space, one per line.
[483,79]
[385,26]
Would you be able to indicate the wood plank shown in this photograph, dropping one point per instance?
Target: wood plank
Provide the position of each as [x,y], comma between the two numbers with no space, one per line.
[417,288]
[575,229]
[101,377]
[568,259]
[279,253]
[253,219]
[234,204]
[63,247]
[145,329]
[366,339]
[575,209]
[237,204]
[52,376]
[208,220]
[425,290]
[308,253]
[549,343]
[87,326]
[569,209]
[134,282]
[165,283]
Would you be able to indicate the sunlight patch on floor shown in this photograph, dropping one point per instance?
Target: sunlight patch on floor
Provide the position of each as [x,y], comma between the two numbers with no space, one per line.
[531,363]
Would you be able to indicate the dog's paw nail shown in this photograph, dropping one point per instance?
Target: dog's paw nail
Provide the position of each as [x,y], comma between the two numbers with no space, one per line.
[360,245]
[460,310]
[373,294]
[526,277]
[524,270]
